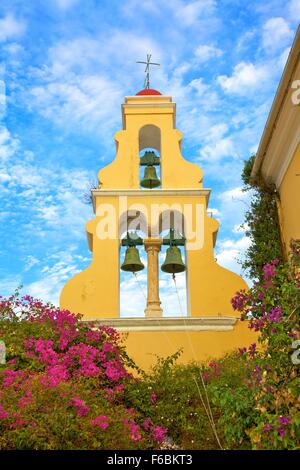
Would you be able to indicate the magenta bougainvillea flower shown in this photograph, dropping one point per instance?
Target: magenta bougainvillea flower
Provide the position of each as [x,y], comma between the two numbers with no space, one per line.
[61,352]
[101,421]
[81,408]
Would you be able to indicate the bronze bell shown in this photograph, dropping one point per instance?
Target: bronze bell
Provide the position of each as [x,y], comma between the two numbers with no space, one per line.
[150,179]
[173,263]
[132,262]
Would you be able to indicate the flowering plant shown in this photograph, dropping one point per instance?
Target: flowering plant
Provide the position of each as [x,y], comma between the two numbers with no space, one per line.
[273,309]
[59,383]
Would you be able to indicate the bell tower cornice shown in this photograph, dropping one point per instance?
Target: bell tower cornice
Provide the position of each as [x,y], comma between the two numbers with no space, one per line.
[147,104]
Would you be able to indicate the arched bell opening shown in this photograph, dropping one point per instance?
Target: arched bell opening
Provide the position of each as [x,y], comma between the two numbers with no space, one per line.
[150,153]
[132,264]
[173,270]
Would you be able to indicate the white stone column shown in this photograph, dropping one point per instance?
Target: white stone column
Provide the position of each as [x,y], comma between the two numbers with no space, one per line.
[152,246]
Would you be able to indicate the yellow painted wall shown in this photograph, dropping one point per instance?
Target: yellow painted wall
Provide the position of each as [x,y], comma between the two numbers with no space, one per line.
[95,291]
[123,172]
[210,287]
[290,200]
[197,346]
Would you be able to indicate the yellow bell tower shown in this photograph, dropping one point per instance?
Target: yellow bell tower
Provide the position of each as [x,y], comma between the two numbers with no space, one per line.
[173,200]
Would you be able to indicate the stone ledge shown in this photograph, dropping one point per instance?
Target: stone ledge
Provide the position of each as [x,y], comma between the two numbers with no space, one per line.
[168,324]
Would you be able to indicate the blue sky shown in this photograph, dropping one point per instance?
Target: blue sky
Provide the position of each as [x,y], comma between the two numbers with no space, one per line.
[65,67]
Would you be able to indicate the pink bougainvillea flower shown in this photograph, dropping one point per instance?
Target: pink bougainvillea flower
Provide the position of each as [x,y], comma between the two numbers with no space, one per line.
[158,433]
[3,414]
[114,370]
[238,301]
[81,408]
[54,375]
[135,434]
[100,421]
[147,424]
[267,428]
[281,431]
[252,349]
[275,315]
[13,377]
[285,420]
[269,269]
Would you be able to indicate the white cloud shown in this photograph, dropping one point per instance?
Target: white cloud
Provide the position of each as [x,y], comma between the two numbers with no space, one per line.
[240,244]
[214,212]
[8,144]
[78,86]
[9,284]
[229,252]
[199,86]
[49,286]
[245,40]
[30,262]
[51,199]
[10,27]
[216,132]
[276,33]
[245,78]
[236,194]
[4,177]
[54,275]
[217,145]
[294,10]
[206,97]
[133,287]
[190,13]
[216,151]
[173,300]
[85,54]
[206,52]
[81,101]
[13,48]
[64,56]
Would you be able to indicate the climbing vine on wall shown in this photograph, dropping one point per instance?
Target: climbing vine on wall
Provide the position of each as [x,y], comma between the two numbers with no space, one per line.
[261,223]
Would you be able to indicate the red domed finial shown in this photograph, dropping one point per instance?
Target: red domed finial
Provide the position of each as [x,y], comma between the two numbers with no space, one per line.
[148,91]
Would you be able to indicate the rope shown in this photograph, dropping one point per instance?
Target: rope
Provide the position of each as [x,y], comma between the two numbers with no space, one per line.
[178,297]
[208,407]
[138,282]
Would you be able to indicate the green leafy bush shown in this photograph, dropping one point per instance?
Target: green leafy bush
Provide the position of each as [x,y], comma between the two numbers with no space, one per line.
[261,223]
